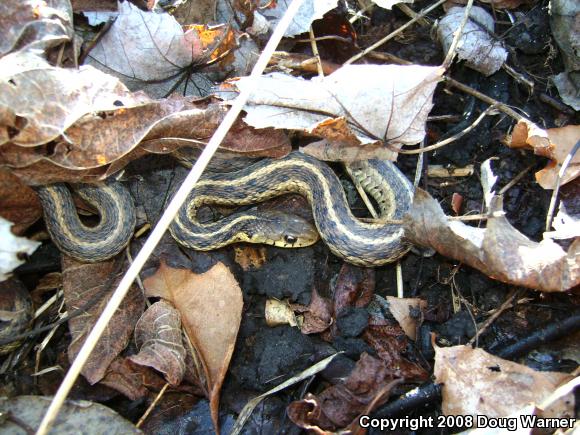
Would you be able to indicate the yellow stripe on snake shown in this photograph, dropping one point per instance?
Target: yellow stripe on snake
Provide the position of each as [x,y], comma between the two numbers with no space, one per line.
[360,243]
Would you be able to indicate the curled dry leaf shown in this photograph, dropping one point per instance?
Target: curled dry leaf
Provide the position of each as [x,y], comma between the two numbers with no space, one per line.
[367,386]
[18,202]
[476,46]
[30,24]
[478,383]
[87,287]
[357,104]
[553,143]
[158,337]
[37,105]
[499,250]
[13,249]
[211,311]
[279,313]
[318,316]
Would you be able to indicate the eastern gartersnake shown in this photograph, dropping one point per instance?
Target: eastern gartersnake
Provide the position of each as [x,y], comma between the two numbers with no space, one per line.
[365,244]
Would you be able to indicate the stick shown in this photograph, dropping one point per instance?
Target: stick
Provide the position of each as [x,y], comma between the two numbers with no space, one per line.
[163,223]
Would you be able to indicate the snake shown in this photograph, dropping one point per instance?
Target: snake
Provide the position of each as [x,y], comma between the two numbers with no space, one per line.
[356,241]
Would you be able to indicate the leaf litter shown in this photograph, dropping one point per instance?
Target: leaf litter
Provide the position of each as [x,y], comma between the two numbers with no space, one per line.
[88,125]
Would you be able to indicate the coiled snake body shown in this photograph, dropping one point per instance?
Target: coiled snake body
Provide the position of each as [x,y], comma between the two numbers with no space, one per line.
[365,244]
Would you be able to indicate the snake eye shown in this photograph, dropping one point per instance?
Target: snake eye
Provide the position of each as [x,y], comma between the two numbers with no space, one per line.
[290,239]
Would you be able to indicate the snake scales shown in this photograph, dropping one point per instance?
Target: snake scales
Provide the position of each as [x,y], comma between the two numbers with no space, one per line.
[365,244]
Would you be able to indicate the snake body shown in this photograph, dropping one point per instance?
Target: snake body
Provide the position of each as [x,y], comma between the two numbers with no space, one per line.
[360,243]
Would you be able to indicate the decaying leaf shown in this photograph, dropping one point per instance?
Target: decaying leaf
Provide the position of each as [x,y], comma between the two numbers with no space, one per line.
[476,46]
[87,287]
[158,337]
[357,104]
[279,313]
[354,287]
[211,310]
[123,376]
[309,11]
[553,143]
[30,24]
[18,202]
[367,386]
[39,104]
[499,250]
[250,257]
[12,249]
[151,51]
[318,316]
[478,383]
[75,416]
[406,311]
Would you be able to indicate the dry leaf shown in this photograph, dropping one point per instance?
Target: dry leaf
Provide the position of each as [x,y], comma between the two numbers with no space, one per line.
[250,257]
[13,249]
[151,51]
[377,102]
[18,202]
[211,310]
[407,312]
[367,386]
[75,416]
[478,383]
[476,45]
[553,143]
[30,24]
[37,105]
[279,313]
[499,250]
[309,11]
[318,316]
[122,376]
[158,337]
[87,287]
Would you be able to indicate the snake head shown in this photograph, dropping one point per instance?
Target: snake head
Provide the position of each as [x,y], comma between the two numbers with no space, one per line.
[283,230]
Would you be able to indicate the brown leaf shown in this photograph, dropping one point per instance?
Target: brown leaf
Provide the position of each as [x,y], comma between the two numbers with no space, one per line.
[354,287]
[158,337]
[337,406]
[390,342]
[407,312]
[87,287]
[553,143]
[122,377]
[211,310]
[363,95]
[18,202]
[67,96]
[318,316]
[475,382]
[33,24]
[500,251]
[250,257]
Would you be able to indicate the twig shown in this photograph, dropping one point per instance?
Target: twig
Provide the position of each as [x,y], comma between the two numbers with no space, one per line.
[399,269]
[404,8]
[497,104]
[457,36]
[395,33]
[452,138]
[315,52]
[507,303]
[167,217]
[152,406]
[567,161]
[517,178]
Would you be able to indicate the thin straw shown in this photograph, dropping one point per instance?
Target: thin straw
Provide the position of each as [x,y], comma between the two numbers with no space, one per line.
[164,222]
